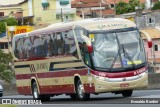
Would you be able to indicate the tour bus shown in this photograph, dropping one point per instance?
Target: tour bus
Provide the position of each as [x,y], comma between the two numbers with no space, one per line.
[80,58]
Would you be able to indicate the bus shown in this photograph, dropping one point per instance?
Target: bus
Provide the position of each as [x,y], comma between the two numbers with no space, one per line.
[81,58]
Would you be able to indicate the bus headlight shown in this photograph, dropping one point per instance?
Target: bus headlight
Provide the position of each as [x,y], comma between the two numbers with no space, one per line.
[100,78]
[143,74]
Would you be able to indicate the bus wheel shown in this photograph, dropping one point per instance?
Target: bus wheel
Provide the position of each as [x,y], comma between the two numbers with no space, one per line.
[127,93]
[35,93]
[45,98]
[73,96]
[80,92]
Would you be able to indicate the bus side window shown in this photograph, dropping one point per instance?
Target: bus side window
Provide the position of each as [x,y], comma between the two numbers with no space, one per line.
[69,44]
[51,45]
[19,48]
[58,44]
[27,48]
[38,46]
[45,45]
[16,50]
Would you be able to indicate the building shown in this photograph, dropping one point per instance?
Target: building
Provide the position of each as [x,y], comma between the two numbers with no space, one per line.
[92,8]
[37,12]
[9,8]
[64,12]
[98,8]
[153,54]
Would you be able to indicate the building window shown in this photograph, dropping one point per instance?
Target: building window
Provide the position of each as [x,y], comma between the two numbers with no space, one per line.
[155,47]
[112,6]
[151,20]
[64,2]
[1,13]
[38,19]
[66,18]
[45,4]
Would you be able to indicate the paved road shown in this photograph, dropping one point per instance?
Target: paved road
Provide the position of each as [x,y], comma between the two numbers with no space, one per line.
[100,100]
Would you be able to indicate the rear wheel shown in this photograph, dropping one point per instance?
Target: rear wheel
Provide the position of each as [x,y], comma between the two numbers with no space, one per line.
[73,96]
[127,93]
[80,92]
[45,98]
[36,95]
[1,94]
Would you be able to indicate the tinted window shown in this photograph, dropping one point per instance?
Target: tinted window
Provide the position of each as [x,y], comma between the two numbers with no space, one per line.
[69,43]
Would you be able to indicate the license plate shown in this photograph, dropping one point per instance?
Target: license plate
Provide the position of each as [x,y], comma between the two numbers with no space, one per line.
[124,85]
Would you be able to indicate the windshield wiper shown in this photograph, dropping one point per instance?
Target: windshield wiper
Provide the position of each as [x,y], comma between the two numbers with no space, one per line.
[128,57]
[115,58]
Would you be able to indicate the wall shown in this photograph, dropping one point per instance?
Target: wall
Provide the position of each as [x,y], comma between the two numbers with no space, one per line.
[143,21]
[7,10]
[44,16]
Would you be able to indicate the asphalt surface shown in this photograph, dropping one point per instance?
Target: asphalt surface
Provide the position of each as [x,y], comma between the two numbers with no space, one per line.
[143,98]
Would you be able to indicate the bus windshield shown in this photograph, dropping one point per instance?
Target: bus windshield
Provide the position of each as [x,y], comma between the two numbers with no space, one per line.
[119,50]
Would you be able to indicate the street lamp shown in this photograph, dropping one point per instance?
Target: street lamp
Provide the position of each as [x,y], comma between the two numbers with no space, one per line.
[11,30]
[22,21]
[101,8]
[79,4]
[101,3]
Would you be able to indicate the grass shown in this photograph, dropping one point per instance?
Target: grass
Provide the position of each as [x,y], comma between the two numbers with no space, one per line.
[7,105]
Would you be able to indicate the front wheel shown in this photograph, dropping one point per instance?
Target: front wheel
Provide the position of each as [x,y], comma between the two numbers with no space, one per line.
[80,92]
[1,94]
[35,93]
[127,93]
[73,96]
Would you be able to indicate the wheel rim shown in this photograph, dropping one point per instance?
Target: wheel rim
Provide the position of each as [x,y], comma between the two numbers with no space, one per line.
[35,92]
[80,90]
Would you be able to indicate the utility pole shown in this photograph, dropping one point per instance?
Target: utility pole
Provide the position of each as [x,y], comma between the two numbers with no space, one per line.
[7,36]
[115,8]
[100,8]
[22,18]
[61,15]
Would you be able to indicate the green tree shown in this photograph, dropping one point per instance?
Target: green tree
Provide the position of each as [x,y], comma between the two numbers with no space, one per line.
[10,22]
[133,4]
[123,7]
[6,72]
[156,6]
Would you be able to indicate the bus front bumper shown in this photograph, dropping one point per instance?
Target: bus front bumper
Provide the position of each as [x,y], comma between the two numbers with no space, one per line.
[120,84]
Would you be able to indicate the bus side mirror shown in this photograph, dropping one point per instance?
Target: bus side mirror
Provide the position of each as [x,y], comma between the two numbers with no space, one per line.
[149,40]
[149,44]
[88,43]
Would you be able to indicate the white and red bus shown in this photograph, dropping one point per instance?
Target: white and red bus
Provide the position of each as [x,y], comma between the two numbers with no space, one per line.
[80,58]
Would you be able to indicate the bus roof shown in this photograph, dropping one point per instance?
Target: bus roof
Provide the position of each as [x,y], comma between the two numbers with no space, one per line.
[98,24]
[88,24]
[21,35]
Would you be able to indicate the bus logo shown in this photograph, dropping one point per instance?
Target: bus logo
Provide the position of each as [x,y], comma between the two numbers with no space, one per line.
[32,68]
[124,79]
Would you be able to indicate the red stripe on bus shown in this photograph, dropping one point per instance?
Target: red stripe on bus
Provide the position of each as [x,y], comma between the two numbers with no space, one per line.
[52,74]
[57,89]
[25,90]
[82,73]
[24,76]
[119,74]
[89,88]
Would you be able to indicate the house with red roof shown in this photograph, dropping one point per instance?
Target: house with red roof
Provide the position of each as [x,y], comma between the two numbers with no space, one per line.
[94,8]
